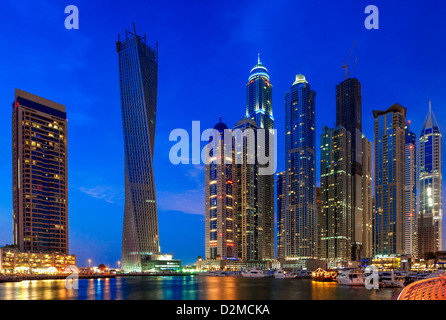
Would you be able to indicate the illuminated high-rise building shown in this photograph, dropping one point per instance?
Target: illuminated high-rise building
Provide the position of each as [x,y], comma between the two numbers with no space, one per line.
[366,230]
[250,233]
[389,181]
[349,115]
[40,177]
[220,198]
[138,75]
[336,196]
[280,207]
[410,190]
[429,222]
[259,108]
[300,156]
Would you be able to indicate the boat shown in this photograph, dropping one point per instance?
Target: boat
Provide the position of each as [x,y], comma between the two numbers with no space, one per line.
[279,274]
[351,278]
[10,279]
[390,280]
[254,273]
[323,276]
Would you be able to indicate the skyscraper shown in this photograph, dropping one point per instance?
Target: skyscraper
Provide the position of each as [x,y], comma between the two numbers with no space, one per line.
[250,233]
[389,181]
[430,179]
[40,177]
[349,115]
[410,190]
[280,205]
[300,157]
[138,75]
[220,197]
[336,196]
[367,203]
[259,108]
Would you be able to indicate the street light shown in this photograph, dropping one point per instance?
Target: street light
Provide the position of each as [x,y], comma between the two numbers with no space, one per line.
[119,264]
[89,260]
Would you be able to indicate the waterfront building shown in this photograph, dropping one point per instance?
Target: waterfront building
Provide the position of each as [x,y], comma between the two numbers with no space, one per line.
[389,181]
[430,187]
[300,157]
[40,176]
[410,191]
[349,116]
[220,197]
[138,76]
[13,260]
[259,108]
[280,222]
[336,196]
[250,233]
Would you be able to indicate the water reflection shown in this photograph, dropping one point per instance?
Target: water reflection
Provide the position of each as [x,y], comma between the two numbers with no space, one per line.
[188,288]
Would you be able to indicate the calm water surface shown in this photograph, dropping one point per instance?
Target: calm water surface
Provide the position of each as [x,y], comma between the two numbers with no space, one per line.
[189,288]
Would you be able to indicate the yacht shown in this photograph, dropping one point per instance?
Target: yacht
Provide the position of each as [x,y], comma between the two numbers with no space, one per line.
[351,278]
[279,274]
[254,273]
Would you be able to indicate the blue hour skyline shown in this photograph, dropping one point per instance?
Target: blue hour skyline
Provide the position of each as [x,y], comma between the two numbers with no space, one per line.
[206,51]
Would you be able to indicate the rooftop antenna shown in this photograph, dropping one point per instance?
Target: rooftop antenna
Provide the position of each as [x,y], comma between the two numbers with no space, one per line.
[134,29]
[258,58]
[430,108]
[345,64]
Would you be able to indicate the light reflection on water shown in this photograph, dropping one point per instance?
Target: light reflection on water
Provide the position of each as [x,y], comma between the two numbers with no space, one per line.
[188,288]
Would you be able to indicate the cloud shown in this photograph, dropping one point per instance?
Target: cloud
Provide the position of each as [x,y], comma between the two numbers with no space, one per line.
[107,193]
[188,201]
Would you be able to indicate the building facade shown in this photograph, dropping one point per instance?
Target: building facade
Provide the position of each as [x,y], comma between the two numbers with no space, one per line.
[410,190]
[259,108]
[389,181]
[280,222]
[349,116]
[138,75]
[300,157]
[40,177]
[250,233]
[335,219]
[220,197]
[430,183]
[367,199]
[16,261]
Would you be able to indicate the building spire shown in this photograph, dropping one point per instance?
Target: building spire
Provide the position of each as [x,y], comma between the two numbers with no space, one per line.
[258,58]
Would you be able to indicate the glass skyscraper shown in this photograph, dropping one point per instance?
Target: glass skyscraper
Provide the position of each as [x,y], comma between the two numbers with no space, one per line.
[259,108]
[430,182]
[410,190]
[300,157]
[389,181]
[280,205]
[138,68]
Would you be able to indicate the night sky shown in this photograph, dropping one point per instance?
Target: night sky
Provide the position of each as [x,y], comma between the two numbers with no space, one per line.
[206,50]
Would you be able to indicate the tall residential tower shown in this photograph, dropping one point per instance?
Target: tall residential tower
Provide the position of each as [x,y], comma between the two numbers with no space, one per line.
[259,108]
[389,181]
[300,157]
[430,179]
[40,178]
[138,75]
[410,190]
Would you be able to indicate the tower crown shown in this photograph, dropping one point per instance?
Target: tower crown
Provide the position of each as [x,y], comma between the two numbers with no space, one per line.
[258,70]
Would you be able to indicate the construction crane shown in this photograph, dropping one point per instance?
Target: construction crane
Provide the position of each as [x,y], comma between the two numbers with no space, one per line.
[345,64]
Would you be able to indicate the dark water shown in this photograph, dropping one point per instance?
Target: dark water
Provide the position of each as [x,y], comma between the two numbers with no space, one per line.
[189,288]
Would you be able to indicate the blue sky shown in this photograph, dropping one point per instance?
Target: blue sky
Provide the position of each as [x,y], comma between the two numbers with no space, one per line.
[206,50]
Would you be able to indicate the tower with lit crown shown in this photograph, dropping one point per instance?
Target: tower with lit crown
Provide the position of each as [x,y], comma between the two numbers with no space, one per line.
[430,186]
[259,108]
[300,157]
